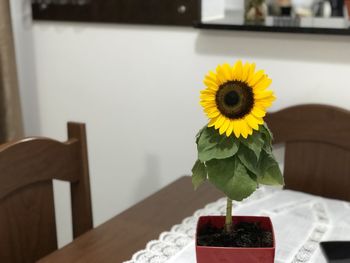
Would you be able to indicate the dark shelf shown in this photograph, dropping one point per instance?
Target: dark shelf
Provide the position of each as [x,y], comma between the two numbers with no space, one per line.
[153,12]
[275,29]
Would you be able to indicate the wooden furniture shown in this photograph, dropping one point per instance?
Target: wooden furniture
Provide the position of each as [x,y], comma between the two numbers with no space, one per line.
[27,217]
[317,140]
[120,237]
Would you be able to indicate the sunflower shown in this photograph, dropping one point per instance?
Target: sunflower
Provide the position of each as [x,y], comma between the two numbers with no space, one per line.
[236,98]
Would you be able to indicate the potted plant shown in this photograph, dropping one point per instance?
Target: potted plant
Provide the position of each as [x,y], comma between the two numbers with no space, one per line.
[235,155]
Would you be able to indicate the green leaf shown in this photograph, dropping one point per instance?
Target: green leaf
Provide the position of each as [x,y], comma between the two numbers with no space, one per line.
[267,137]
[268,148]
[266,129]
[199,134]
[269,171]
[254,142]
[212,145]
[230,176]
[248,159]
[199,174]
[253,176]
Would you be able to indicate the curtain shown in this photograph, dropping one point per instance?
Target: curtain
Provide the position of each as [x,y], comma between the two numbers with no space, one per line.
[11,126]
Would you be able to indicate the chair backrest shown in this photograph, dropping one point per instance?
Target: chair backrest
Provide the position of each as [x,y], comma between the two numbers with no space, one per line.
[27,216]
[317,153]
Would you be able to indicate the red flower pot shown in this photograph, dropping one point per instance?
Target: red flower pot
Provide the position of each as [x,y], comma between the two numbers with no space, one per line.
[206,254]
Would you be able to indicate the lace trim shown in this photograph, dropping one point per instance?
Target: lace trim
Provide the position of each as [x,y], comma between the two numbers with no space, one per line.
[307,250]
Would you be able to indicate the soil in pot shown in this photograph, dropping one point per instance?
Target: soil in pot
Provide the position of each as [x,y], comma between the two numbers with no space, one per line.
[244,234]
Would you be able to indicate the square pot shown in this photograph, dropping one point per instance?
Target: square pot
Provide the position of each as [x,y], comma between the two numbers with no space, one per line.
[206,254]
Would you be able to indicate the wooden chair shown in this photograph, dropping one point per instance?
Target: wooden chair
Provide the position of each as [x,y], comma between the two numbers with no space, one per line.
[27,216]
[317,141]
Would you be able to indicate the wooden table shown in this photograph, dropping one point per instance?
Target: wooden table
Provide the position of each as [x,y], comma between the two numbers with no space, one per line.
[120,237]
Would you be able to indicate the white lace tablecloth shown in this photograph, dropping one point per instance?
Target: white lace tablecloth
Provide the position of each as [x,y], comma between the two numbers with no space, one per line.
[300,222]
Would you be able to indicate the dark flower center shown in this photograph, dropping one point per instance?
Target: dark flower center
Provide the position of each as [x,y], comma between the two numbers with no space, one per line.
[231,98]
[235,99]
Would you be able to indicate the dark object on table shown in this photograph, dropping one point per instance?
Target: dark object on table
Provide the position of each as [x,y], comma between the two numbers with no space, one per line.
[336,251]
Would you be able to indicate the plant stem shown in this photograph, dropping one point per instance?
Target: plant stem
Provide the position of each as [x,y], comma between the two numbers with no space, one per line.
[228,221]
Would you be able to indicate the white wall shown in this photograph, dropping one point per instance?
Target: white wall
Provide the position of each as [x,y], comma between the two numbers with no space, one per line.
[22,30]
[137,89]
[234,4]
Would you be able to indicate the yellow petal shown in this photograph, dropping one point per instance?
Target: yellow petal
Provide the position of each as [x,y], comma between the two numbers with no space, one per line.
[211,74]
[224,126]
[237,128]
[219,121]
[206,97]
[229,129]
[244,129]
[208,92]
[258,112]
[255,78]
[264,94]
[252,122]
[272,98]
[212,122]
[220,74]
[210,109]
[225,72]
[250,131]
[206,104]
[213,114]
[259,121]
[265,102]
[209,81]
[208,100]
[212,87]
[251,71]
[263,83]
[246,70]
[212,78]
[238,70]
